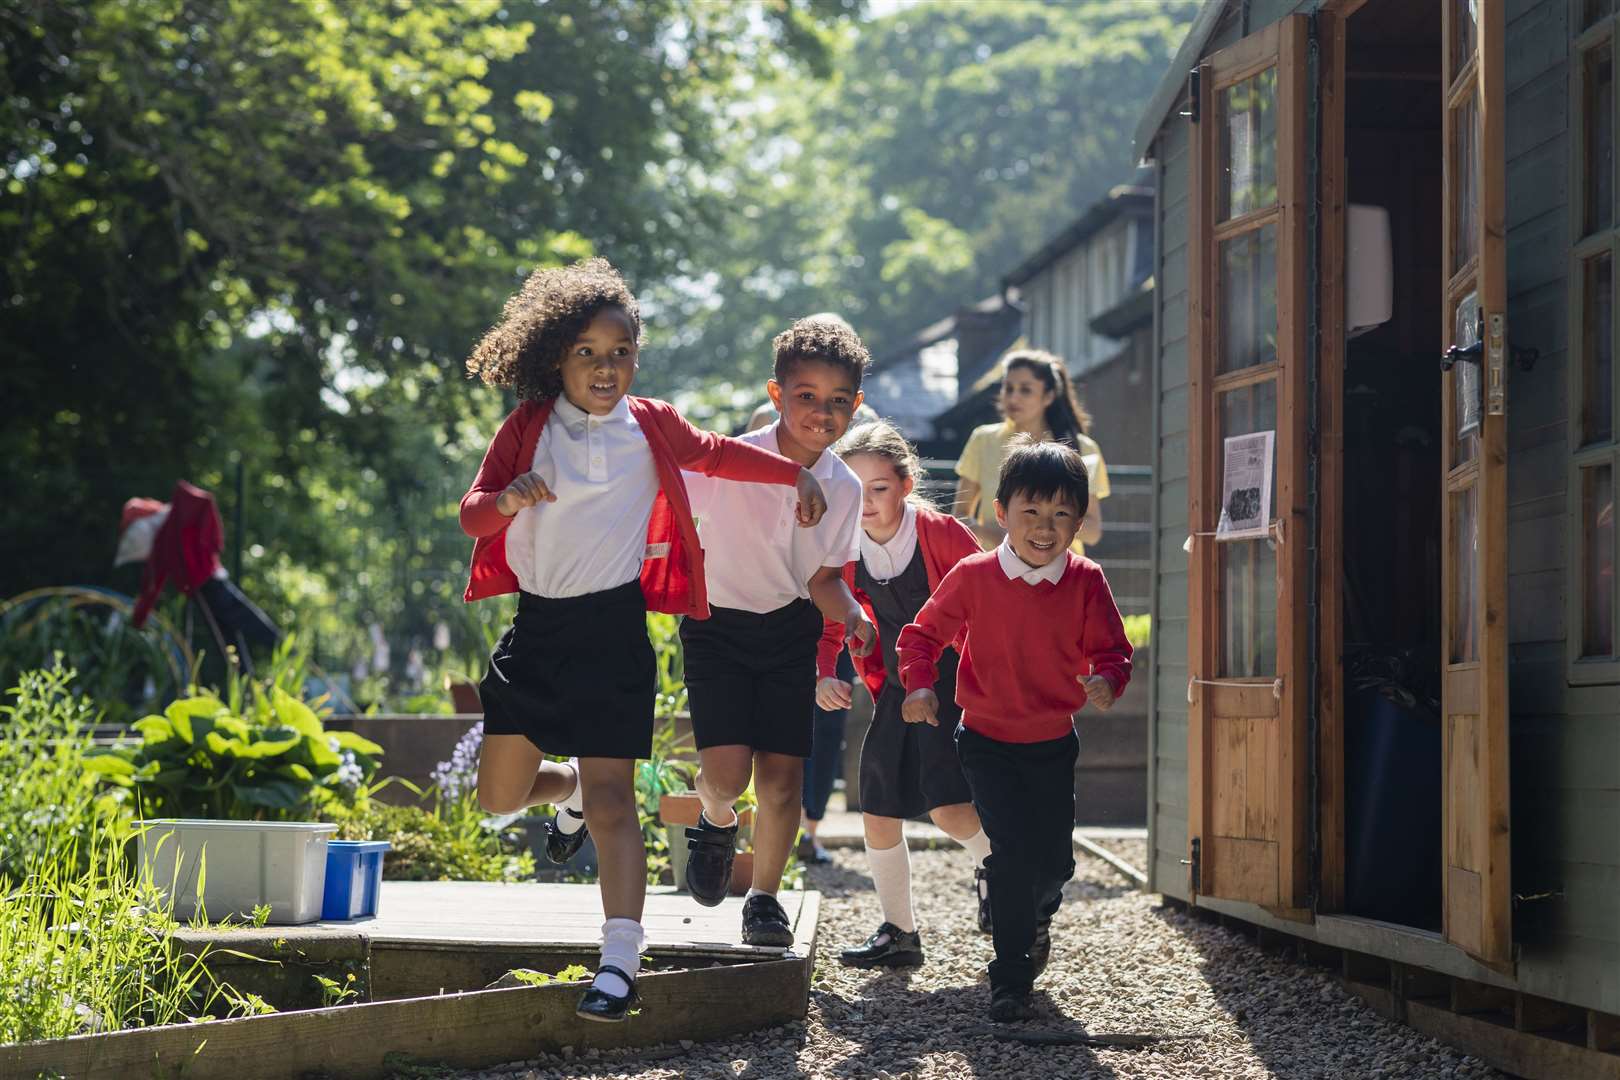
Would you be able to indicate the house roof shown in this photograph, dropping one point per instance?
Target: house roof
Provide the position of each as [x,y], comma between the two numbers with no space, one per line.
[1174,83]
[1119,200]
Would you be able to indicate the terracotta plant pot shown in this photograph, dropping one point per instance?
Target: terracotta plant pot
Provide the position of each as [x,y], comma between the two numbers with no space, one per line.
[682,809]
[742,873]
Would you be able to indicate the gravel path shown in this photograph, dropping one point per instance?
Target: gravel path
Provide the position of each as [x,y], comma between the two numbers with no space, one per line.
[1120,964]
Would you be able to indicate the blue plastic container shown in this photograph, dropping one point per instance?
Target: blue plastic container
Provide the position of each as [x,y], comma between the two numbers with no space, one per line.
[353,878]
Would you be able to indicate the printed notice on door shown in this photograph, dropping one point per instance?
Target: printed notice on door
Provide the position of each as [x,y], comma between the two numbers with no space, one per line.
[1246,487]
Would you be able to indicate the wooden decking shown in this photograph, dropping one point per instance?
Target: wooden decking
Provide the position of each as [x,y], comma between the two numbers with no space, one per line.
[424,962]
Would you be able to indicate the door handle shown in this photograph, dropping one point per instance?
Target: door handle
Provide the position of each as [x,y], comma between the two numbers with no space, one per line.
[1473,354]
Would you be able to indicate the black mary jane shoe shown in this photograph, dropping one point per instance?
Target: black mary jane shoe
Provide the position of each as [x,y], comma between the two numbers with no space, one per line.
[981,893]
[562,846]
[1040,950]
[710,853]
[603,1007]
[889,947]
[765,924]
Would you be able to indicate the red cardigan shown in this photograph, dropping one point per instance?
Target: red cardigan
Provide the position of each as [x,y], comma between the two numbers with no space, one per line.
[672,572]
[944,541]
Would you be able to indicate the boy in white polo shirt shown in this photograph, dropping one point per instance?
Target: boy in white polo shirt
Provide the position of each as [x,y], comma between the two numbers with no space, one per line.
[751,666]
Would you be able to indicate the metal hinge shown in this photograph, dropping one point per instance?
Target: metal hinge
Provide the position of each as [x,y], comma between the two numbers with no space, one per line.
[1194,867]
[1193,96]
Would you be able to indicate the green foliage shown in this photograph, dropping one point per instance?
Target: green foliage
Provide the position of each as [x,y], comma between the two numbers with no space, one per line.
[570,974]
[270,759]
[1138,630]
[334,992]
[427,847]
[49,806]
[951,141]
[86,945]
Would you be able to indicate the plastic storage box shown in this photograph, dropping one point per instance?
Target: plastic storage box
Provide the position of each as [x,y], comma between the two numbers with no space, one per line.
[240,865]
[353,878]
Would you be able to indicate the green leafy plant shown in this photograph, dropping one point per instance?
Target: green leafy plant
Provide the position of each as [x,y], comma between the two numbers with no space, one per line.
[334,992]
[257,755]
[570,974]
[1138,630]
[426,847]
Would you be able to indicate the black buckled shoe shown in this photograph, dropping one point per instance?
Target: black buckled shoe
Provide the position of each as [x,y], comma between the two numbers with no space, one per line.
[765,923]
[889,947]
[710,852]
[603,1007]
[1009,1004]
[1040,951]
[562,846]
[981,892]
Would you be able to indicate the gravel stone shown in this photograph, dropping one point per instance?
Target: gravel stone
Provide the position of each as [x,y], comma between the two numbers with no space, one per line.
[1122,963]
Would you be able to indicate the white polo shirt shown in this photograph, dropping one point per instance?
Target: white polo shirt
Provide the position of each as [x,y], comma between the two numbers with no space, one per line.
[594,536]
[755,555]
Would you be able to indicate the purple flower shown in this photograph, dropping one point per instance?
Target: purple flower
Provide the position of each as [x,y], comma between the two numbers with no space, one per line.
[460,773]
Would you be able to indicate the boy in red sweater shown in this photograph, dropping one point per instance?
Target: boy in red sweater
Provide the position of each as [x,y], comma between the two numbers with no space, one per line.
[1043,638]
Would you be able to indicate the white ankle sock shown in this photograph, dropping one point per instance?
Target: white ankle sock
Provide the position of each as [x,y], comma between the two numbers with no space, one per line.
[978,846]
[571,822]
[753,892]
[622,942]
[703,817]
[891,875]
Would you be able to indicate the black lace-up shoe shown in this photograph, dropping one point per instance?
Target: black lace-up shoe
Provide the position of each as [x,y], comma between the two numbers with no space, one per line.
[889,947]
[1009,1004]
[603,1007]
[765,923]
[711,851]
[1041,950]
[981,893]
[562,846]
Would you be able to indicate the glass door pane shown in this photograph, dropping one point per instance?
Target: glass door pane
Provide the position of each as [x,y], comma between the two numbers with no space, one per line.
[1249,145]
[1248,568]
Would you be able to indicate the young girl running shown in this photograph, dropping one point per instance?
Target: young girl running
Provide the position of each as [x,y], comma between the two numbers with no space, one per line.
[1038,400]
[580,508]
[906,769]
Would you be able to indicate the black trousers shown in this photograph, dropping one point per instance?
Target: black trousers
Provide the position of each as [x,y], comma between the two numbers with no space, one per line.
[1024,793]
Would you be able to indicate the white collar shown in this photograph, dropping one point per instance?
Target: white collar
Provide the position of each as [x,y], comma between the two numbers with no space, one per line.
[889,559]
[574,416]
[821,470]
[1014,567]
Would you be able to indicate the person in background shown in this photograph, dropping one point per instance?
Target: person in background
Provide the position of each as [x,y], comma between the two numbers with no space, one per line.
[1038,400]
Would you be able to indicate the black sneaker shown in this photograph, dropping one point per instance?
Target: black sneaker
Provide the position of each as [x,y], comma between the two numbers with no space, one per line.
[890,947]
[811,853]
[981,892]
[562,846]
[603,1007]
[1009,1004]
[1041,950]
[711,851]
[765,923]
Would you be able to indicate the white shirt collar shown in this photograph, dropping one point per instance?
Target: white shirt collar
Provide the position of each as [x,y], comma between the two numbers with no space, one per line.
[574,416]
[1014,567]
[889,559]
[821,470]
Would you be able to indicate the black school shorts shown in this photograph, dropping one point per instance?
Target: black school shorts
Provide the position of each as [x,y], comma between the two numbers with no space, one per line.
[751,677]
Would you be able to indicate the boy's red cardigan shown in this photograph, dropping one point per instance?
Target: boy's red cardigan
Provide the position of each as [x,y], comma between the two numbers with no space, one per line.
[672,572]
[944,541]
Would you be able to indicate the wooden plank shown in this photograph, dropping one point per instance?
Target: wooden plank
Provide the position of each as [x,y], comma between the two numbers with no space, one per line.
[1228,772]
[1200,577]
[467,1031]
[1254,701]
[1330,474]
[1602,1031]
[1239,867]
[1522,1055]
[1464,910]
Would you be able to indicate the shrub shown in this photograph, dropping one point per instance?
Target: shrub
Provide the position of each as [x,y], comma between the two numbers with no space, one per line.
[427,847]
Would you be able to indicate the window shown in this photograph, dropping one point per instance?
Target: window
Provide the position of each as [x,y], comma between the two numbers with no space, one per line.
[1594,636]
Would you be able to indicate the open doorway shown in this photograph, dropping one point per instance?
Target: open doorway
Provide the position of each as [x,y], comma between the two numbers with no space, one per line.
[1391,509]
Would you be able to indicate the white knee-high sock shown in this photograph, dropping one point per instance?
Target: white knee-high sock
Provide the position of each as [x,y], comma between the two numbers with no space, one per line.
[571,822]
[622,942]
[978,846]
[891,875]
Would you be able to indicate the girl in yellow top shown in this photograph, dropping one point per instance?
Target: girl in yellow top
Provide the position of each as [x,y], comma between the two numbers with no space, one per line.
[1037,400]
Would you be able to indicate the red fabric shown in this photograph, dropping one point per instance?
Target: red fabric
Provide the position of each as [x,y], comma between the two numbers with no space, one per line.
[135,509]
[672,576]
[185,550]
[1026,645]
[945,542]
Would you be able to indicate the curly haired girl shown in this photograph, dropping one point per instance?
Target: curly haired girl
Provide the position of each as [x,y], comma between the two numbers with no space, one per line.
[579,507]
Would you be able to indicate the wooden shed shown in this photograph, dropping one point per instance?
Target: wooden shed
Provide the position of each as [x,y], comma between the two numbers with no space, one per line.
[1386,680]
